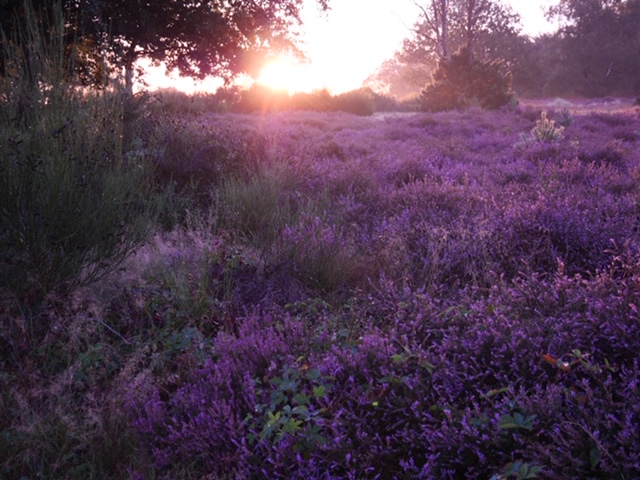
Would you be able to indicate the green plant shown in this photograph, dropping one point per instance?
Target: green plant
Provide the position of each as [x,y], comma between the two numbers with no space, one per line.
[73,205]
[566,119]
[519,471]
[358,102]
[260,206]
[546,131]
[517,421]
[461,81]
[322,254]
[293,409]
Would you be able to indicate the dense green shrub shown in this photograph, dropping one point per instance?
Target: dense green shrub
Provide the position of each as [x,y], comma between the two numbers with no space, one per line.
[73,196]
[358,102]
[260,98]
[318,100]
[460,82]
[172,101]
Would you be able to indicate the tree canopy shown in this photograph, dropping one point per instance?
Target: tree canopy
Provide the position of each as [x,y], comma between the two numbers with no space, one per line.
[445,26]
[594,52]
[486,29]
[598,46]
[222,38]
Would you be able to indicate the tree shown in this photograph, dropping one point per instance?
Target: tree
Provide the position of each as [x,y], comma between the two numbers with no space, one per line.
[599,44]
[433,28]
[222,38]
[447,25]
[469,27]
[460,82]
[477,17]
[398,78]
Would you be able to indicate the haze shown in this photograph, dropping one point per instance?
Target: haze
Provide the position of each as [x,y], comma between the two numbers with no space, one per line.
[342,52]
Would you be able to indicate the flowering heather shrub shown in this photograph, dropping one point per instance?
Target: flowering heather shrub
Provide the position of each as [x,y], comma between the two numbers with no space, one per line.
[321,255]
[481,319]
[543,372]
[206,418]
[188,150]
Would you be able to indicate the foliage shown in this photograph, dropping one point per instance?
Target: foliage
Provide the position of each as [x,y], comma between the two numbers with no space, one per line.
[399,78]
[58,169]
[406,297]
[210,38]
[545,131]
[445,26]
[461,81]
[416,407]
[358,102]
[174,102]
[321,255]
[259,98]
[318,101]
[597,40]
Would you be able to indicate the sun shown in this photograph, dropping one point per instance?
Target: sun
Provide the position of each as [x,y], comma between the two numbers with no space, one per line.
[286,74]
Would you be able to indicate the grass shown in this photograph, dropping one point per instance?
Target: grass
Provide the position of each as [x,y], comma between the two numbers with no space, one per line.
[323,296]
[457,223]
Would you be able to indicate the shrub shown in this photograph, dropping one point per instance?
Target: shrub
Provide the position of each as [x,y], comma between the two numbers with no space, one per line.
[319,101]
[459,82]
[321,255]
[546,131]
[260,206]
[174,102]
[259,98]
[539,376]
[73,202]
[358,102]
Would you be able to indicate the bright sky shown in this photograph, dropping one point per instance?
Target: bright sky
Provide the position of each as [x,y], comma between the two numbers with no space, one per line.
[349,43]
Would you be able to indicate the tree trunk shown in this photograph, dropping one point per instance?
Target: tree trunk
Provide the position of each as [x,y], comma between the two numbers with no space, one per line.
[470,28]
[445,29]
[129,60]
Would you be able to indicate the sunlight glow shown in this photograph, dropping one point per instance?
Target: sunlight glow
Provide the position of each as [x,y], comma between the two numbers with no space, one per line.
[346,45]
[286,74]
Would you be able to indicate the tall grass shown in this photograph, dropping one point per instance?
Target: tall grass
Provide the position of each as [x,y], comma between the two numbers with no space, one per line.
[73,204]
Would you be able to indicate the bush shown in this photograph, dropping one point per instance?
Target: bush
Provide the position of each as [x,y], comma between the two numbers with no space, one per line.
[73,201]
[539,376]
[460,82]
[259,98]
[358,102]
[318,100]
[546,131]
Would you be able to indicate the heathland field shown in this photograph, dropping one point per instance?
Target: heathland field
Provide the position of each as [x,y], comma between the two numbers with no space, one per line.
[322,295]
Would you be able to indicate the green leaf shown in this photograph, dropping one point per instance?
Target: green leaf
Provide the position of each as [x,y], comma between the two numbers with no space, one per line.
[319,391]
[301,399]
[429,367]
[291,426]
[397,358]
[301,411]
[594,456]
[272,418]
[496,391]
[313,374]
[508,422]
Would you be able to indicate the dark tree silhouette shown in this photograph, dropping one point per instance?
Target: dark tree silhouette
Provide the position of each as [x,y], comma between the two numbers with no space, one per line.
[445,26]
[598,47]
[198,37]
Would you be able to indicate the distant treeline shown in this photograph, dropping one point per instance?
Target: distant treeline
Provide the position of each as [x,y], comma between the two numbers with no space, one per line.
[594,53]
[259,98]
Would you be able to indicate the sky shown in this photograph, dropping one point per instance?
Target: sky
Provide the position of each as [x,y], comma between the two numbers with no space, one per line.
[348,44]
